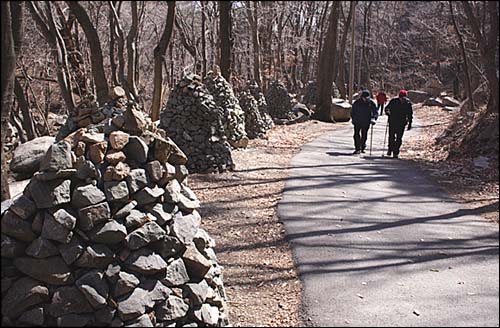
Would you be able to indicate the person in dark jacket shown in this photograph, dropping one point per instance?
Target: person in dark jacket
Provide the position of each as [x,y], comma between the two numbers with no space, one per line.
[400,113]
[363,113]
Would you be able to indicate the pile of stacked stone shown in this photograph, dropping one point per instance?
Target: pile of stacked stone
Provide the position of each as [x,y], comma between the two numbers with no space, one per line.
[233,115]
[309,93]
[107,233]
[279,101]
[255,125]
[195,123]
[89,113]
[257,93]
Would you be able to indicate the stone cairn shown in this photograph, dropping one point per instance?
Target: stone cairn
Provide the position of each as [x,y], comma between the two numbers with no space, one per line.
[255,125]
[309,94]
[257,93]
[279,101]
[107,233]
[194,122]
[233,115]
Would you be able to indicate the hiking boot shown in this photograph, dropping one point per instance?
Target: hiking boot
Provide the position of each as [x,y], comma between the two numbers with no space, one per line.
[395,156]
[389,153]
[357,152]
[363,151]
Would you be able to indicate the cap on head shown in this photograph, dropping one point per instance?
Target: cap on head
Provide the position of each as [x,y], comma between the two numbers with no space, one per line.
[403,93]
[365,94]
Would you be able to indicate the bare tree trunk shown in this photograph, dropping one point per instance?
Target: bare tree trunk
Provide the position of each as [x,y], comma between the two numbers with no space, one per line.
[8,72]
[159,53]
[203,40]
[132,50]
[96,58]
[253,20]
[353,49]
[464,56]
[325,71]
[120,37]
[341,62]
[112,41]
[225,39]
[488,45]
[23,104]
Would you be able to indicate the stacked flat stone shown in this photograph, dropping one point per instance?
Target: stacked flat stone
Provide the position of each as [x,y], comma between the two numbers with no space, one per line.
[255,125]
[194,122]
[257,93]
[88,113]
[233,115]
[310,90]
[107,233]
[279,101]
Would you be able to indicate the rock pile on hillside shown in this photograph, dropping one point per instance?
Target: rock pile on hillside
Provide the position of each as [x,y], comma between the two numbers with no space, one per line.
[233,115]
[195,123]
[279,101]
[255,125]
[107,233]
[257,93]
[309,93]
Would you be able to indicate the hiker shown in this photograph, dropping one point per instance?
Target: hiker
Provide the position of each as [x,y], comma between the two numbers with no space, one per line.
[363,113]
[400,113]
[381,99]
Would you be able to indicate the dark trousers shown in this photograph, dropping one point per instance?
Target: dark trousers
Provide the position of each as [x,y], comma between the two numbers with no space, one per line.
[381,107]
[360,135]
[396,132]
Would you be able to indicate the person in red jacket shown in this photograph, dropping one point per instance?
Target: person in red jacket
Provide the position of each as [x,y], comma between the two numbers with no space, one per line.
[381,99]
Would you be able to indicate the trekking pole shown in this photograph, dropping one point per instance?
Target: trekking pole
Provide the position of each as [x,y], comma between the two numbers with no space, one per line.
[371,140]
[385,136]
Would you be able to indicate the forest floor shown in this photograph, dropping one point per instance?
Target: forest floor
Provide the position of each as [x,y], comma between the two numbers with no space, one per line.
[239,212]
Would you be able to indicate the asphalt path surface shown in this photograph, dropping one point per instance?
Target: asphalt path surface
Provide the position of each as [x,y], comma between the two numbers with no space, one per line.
[377,243]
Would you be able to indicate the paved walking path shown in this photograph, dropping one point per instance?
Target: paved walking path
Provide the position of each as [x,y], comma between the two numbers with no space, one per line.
[376,243]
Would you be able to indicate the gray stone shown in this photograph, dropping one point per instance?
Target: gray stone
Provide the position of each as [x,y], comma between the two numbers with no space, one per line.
[41,248]
[450,102]
[142,321]
[10,247]
[135,122]
[417,96]
[95,256]
[125,284]
[53,175]
[74,320]
[125,210]
[65,219]
[95,288]
[145,261]
[198,292]
[197,265]
[85,169]
[207,314]
[33,317]
[116,191]
[112,272]
[23,294]
[92,137]
[48,194]
[137,180]
[159,213]
[15,227]
[91,216]
[53,230]
[176,274]
[185,227]
[118,139]
[71,251]
[158,292]
[172,191]
[168,246]
[136,150]
[111,232]
[181,172]
[136,219]
[134,305]
[52,270]
[27,156]
[105,315]
[23,207]
[148,233]
[202,240]
[37,223]
[186,203]
[87,195]
[155,170]
[172,309]
[58,157]
[67,300]
[5,205]
[148,195]
[7,283]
